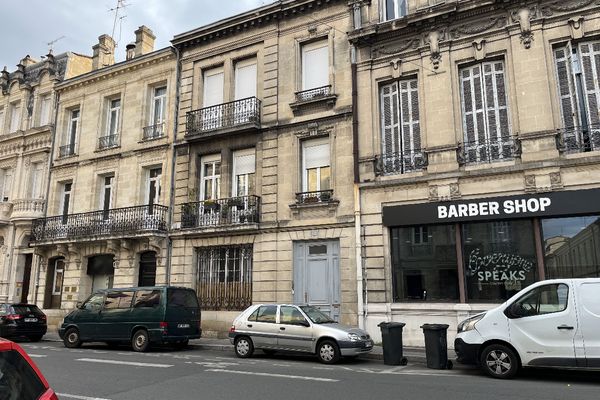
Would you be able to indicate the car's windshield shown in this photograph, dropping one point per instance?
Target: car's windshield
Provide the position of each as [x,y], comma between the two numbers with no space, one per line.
[316,315]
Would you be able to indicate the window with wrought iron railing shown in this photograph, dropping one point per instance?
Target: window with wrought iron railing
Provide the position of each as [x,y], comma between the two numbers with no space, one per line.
[225,277]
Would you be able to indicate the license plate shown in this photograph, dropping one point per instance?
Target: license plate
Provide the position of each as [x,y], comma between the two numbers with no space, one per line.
[183,325]
[31,320]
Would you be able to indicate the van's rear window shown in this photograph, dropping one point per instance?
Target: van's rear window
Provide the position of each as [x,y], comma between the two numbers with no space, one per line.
[182,298]
[147,298]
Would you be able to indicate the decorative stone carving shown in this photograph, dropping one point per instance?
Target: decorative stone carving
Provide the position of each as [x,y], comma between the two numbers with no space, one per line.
[403,46]
[530,185]
[433,193]
[577,28]
[524,16]
[455,191]
[479,51]
[433,39]
[556,180]
[74,255]
[477,27]
[396,65]
[562,6]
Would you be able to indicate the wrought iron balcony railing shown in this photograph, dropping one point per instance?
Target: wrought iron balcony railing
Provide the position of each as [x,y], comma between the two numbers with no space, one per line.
[154,131]
[66,150]
[150,218]
[106,142]
[222,116]
[579,139]
[484,151]
[313,94]
[401,163]
[230,211]
[321,196]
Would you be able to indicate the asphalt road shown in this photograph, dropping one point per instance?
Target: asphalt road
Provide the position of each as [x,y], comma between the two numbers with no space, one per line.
[96,372]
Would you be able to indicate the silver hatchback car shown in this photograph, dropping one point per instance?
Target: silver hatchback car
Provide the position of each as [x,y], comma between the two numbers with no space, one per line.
[273,327]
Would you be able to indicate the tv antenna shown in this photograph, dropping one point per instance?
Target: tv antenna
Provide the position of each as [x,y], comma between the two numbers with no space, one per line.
[121,4]
[51,43]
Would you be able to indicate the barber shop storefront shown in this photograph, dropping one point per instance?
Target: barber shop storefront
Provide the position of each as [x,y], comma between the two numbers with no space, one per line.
[452,259]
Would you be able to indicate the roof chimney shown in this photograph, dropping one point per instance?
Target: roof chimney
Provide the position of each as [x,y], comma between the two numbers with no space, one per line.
[144,41]
[104,52]
[27,61]
[130,51]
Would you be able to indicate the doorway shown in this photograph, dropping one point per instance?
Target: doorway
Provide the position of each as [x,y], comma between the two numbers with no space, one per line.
[54,283]
[147,274]
[26,277]
[317,276]
[102,271]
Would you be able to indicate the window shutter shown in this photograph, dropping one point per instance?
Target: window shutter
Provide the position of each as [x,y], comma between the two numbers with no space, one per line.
[390,124]
[590,63]
[213,87]
[244,163]
[568,104]
[245,79]
[472,103]
[495,100]
[315,65]
[8,178]
[411,133]
[316,154]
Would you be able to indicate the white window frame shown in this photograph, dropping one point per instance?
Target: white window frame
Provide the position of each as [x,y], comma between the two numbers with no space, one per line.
[240,66]
[216,179]
[6,181]
[103,187]
[162,100]
[313,47]
[114,114]
[234,184]
[63,193]
[45,109]
[307,144]
[35,180]
[205,89]
[399,11]
[156,180]
[73,123]
[15,117]
[62,270]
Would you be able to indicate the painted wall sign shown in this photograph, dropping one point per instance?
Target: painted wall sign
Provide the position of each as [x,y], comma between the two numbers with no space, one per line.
[576,202]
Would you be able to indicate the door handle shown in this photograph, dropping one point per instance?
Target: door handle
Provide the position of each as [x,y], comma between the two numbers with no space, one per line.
[249,325]
[565,327]
[282,328]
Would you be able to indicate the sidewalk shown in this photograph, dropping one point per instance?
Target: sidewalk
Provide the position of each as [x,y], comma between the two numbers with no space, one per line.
[413,354]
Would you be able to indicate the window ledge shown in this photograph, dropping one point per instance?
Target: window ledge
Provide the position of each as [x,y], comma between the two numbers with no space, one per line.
[106,149]
[331,205]
[328,101]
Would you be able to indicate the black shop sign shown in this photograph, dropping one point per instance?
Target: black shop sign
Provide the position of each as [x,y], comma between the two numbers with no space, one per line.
[567,203]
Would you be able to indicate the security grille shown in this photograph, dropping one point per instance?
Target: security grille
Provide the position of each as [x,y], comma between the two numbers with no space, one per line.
[225,277]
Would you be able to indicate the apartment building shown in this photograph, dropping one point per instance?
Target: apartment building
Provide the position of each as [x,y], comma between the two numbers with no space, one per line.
[263,196]
[108,202]
[479,153]
[27,99]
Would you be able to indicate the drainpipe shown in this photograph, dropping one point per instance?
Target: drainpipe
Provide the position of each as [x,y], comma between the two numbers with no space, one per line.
[173,163]
[357,211]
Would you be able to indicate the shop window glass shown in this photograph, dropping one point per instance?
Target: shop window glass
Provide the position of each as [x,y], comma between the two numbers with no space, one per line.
[424,263]
[499,259]
[572,247]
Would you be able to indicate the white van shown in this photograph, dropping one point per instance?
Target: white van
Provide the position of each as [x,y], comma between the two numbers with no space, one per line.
[553,323]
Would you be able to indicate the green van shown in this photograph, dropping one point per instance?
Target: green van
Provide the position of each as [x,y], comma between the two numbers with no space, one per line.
[140,316]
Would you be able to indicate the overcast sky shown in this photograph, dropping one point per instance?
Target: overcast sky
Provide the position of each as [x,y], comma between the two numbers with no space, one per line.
[27,26]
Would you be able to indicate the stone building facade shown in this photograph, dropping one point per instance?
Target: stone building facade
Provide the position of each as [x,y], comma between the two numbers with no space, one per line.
[27,100]
[109,190]
[263,200]
[479,152]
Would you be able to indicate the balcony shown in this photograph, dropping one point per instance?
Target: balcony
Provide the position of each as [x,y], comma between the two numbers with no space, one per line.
[66,150]
[240,211]
[321,196]
[116,222]
[239,115]
[24,209]
[401,163]
[579,139]
[486,151]
[153,131]
[107,142]
[320,96]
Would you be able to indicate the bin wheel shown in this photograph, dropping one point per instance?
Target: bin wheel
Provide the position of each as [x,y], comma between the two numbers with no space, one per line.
[499,361]
[404,361]
[449,365]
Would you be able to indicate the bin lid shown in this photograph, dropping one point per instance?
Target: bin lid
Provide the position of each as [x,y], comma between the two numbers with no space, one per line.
[434,327]
[388,325]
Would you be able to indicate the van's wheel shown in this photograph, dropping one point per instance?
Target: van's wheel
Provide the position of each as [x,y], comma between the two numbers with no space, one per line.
[72,339]
[244,347]
[499,361]
[328,352]
[140,341]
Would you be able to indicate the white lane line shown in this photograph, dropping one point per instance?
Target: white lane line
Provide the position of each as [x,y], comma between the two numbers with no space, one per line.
[74,396]
[305,378]
[36,355]
[117,362]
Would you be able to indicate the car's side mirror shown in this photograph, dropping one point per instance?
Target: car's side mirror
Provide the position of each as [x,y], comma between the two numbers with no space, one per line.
[303,323]
[515,311]
[79,305]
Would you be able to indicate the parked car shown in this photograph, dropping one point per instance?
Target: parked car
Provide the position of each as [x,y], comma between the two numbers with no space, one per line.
[20,378]
[553,323]
[22,320]
[273,327]
[141,316]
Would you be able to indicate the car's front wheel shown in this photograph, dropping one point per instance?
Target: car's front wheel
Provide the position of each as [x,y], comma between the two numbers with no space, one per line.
[244,347]
[499,361]
[72,339]
[328,352]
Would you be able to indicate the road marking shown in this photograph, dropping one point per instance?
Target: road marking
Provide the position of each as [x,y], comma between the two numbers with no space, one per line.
[305,378]
[37,355]
[135,364]
[74,396]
